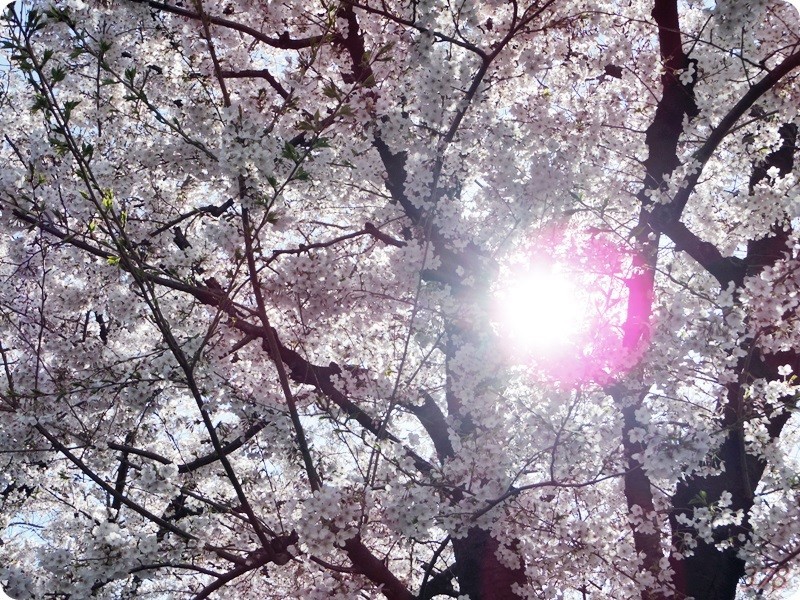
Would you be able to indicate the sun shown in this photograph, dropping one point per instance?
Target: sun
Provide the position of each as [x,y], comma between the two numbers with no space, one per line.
[558,312]
[539,310]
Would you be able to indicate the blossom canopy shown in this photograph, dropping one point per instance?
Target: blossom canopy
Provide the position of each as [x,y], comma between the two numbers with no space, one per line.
[477,299]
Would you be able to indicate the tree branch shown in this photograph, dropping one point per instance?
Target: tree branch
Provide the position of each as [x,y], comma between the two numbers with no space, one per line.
[300,370]
[126,449]
[224,579]
[369,229]
[272,343]
[673,210]
[376,570]
[283,42]
[257,73]
[109,489]
[432,419]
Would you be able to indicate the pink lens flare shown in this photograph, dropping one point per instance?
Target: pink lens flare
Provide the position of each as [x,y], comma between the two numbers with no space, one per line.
[559,308]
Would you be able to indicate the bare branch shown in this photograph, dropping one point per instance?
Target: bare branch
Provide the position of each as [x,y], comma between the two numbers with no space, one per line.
[274,351]
[376,570]
[283,41]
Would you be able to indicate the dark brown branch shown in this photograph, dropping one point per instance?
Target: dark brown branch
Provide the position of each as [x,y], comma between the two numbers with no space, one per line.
[204,18]
[206,295]
[440,583]
[225,579]
[332,567]
[354,44]
[674,209]
[208,459]
[477,79]
[369,229]
[711,572]
[478,568]
[676,101]
[122,473]
[379,235]
[376,570]
[662,137]
[257,73]
[131,263]
[165,565]
[301,371]
[71,238]
[321,378]
[210,209]
[126,449]
[272,345]
[432,419]
[665,14]
[724,269]
[638,491]
[395,165]
[413,25]
[665,219]
[283,42]
[110,490]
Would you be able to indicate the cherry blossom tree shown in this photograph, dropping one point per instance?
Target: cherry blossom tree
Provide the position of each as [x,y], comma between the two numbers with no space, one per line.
[412,299]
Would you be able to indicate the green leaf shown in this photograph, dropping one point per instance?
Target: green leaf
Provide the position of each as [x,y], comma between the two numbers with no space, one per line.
[24,64]
[39,103]
[108,199]
[58,14]
[68,106]
[58,145]
[331,91]
[57,74]
[113,260]
[383,51]
[130,73]
[290,152]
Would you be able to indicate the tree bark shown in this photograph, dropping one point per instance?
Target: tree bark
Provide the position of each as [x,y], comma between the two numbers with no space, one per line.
[481,576]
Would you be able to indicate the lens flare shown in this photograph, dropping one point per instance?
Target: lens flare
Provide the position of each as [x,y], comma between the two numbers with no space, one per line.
[540,310]
[561,312]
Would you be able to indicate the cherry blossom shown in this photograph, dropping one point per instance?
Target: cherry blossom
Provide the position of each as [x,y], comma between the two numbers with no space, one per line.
[480,300]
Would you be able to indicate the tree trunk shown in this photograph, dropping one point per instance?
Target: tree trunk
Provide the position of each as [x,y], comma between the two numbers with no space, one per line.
[480,575]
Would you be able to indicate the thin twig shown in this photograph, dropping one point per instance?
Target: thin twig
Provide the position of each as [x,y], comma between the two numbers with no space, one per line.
[313,477]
